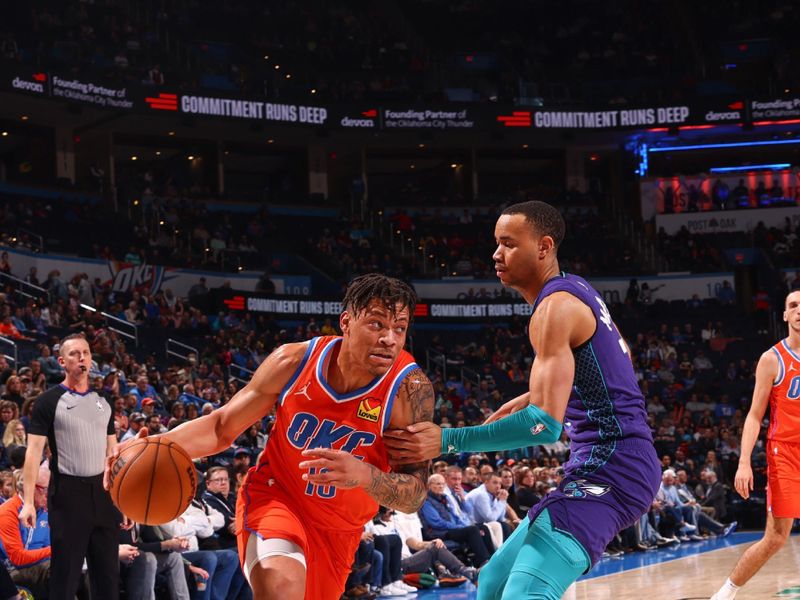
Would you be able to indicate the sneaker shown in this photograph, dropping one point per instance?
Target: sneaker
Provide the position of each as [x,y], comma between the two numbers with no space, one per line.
[470,573]
[391,590]
[450,580]
[662,541]
[404,586]
[360,592]
[689,528]
[684,538]
[730,529]
[696,538]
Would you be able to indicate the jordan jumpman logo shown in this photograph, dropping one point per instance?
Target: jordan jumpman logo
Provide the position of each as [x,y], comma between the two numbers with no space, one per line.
[303,391]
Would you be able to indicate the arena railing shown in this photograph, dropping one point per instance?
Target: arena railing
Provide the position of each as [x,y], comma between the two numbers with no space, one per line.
[470,375]
[180,350]
[10,358]
[241,373]
[33,237]
[26,289]
[438,359]
[114,323]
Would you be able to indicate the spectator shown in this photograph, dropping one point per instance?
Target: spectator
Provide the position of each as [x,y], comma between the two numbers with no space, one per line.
[441,522]
[488,505]
[420,556]
[27,551]
[159,554]
[725,294]
[14,434]
[135,423]
[715,495]
[221,565]
[388,543]
[8,487]
[218,496]
[682,514]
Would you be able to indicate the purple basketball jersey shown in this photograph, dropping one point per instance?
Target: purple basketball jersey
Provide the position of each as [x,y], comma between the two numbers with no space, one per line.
[606,403]
[613,472]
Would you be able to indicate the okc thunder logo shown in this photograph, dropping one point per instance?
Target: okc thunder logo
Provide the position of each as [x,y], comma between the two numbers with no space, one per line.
[538,429]
[580,488]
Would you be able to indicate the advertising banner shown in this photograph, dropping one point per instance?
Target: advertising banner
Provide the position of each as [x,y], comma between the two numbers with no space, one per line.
[613,289]
[728,220]
[305,307]
[437,305]
[442,117]
[148,279]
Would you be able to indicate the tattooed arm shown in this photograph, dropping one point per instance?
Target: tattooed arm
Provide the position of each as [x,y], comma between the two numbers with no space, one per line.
[406,488]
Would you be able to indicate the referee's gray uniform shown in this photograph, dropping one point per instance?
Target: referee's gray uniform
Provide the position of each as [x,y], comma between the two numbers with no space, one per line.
[83,521]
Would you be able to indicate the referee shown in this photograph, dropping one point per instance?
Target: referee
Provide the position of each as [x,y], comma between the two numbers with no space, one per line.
[79,425]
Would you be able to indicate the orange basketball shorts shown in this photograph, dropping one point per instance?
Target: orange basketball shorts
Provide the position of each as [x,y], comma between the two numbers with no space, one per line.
[264,511]
[783,479]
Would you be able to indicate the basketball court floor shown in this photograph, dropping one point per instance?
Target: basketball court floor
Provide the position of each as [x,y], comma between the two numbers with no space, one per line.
[691,571]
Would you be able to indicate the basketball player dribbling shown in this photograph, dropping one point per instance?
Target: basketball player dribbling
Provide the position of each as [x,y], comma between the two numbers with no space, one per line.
[777,385]
[581,375]
[325,470]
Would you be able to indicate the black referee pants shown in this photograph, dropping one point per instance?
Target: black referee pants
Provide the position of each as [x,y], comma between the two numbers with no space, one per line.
[83,524]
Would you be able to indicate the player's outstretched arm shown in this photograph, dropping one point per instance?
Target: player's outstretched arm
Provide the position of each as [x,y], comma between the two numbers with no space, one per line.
[561,323]
[766,373]
[404,489]
[216,431]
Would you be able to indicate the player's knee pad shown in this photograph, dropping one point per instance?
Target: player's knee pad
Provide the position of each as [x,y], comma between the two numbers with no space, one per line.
[259,548]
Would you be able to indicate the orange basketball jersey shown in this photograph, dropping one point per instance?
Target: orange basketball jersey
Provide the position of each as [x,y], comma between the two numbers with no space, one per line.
[311,415]
[784,399]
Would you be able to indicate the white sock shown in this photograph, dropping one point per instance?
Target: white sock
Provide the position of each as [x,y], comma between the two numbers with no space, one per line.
[727,591]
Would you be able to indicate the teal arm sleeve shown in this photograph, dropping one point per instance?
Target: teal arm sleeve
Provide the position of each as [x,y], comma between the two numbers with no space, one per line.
[530,426]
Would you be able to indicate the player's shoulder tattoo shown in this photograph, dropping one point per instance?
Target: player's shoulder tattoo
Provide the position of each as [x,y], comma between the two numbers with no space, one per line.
[419,390]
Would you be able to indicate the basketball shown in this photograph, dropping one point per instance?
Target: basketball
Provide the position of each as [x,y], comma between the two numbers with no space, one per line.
[152,481]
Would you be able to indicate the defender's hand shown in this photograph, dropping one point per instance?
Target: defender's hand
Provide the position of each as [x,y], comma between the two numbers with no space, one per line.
[414,444]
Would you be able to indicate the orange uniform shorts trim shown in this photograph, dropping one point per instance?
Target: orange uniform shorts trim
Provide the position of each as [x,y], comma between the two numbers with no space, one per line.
[264,511]
[783,479]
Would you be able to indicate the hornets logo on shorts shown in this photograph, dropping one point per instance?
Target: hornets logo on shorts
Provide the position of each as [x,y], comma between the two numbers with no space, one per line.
[580,488]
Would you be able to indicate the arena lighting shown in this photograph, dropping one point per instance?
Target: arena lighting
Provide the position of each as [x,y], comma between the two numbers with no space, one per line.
[724,145]
[4,134]
[190,157]
[134,157]
[87,307]
[773,166]
[158,152]
[24,117]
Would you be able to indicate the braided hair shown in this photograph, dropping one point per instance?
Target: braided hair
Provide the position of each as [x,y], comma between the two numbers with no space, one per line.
[376,286]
